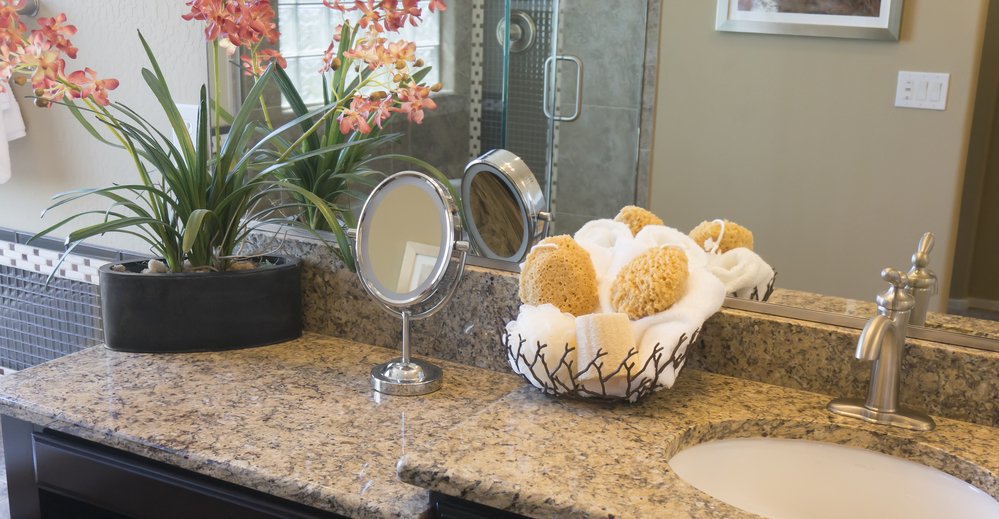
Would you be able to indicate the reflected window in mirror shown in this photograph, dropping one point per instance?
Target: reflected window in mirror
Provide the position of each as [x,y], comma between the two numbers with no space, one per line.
[307,26]
[404,239]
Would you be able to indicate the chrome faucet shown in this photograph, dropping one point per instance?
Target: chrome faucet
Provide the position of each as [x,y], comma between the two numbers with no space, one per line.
[883,341]
[922,281]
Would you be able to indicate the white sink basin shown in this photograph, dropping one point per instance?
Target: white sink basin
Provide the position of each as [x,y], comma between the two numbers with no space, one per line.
[800,478]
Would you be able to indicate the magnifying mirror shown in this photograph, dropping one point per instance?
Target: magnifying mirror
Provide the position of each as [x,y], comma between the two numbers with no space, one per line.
[503,206]
[407,244]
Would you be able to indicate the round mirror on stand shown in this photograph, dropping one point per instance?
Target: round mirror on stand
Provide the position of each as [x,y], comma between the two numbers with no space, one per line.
[410,259]
[504,206]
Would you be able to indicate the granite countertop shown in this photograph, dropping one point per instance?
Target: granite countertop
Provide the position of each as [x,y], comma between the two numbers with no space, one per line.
[298,420]
[545,457]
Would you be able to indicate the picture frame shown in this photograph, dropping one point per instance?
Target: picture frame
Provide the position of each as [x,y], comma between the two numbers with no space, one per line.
[864,19]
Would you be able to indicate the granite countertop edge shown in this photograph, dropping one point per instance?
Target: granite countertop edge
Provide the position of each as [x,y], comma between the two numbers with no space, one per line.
[964,450]
[484,454]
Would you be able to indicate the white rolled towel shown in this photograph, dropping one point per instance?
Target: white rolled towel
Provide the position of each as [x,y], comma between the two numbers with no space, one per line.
[13,123]
[11,127]
[742,271]
[703,298]
[608,335]
[660,235]
[604,233]
[547,326]
[667,335]
[599,238]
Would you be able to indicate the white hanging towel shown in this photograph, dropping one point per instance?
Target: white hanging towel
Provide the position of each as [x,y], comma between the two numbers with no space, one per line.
[11,127]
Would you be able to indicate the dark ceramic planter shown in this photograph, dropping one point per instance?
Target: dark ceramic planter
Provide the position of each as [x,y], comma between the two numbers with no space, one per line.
[212,311]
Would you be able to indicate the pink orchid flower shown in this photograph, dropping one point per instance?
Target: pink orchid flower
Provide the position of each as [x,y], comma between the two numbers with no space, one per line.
[91,86]
[369,15]
[415,99]
[57,32]
[45,60]
[355,118]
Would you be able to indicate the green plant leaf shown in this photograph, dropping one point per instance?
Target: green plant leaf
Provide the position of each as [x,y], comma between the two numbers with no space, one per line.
[298,106]
[345,252]
[195,222]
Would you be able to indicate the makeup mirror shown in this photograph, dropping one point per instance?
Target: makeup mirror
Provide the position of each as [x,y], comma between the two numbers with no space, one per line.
[504,206]
[410,259]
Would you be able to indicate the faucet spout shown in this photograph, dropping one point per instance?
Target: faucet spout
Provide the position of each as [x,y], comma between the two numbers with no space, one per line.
[882,342]
[873,337]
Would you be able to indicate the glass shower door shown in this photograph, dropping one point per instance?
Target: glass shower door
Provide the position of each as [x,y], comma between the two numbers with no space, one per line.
[517,39]
[594,103]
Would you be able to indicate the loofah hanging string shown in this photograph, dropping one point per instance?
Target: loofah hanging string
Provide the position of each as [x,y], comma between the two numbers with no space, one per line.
[712,245]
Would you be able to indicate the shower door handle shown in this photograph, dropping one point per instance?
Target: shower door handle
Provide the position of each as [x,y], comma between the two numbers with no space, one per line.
[550,64]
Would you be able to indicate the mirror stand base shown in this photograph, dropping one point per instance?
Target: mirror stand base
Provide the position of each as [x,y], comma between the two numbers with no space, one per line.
[413,378]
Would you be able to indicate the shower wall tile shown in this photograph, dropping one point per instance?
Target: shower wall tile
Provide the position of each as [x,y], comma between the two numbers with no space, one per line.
[442,139]
[611,33]
[569,223]
[597,157]
[456,48]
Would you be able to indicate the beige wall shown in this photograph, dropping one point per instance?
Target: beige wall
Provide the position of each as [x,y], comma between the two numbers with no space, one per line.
[58,155]
[798,139]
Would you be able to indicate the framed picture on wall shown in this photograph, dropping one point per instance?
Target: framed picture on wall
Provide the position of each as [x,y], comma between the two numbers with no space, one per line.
[869,19]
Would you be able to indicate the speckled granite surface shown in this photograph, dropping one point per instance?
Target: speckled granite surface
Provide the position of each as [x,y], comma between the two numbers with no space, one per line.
[943,380]
[466,330]
[296,420]
[838,305]
[949,381]
[544,457]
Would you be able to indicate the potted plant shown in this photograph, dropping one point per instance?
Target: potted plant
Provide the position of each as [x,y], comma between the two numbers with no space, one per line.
[194,201]
[369,74]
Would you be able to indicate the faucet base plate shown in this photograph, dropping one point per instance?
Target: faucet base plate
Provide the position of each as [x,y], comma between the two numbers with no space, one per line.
[903,417]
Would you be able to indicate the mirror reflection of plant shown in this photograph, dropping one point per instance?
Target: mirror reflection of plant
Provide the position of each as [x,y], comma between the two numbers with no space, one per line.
[366,80]
[192,201]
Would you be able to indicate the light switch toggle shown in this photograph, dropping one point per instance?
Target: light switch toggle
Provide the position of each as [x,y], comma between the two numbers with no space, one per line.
[926,90]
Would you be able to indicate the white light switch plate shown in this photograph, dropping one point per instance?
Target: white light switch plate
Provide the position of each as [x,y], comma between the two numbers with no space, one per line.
[926,90]
[189,113]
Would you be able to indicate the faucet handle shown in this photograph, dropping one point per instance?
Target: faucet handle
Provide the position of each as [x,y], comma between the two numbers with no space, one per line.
[897,279]
[896,298]
[922,256]
[919,275]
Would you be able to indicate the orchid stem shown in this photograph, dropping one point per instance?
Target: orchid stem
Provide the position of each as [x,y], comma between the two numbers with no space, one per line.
[218,92]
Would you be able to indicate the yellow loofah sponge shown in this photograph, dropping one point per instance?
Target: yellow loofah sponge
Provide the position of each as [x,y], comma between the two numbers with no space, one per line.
[558,271]
[635,218]
[651,283]
[735,235]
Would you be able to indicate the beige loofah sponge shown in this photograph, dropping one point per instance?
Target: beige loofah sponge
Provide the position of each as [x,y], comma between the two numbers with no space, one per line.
[609,333]
[635,218]
[558,271]
[651,283]
[735,235]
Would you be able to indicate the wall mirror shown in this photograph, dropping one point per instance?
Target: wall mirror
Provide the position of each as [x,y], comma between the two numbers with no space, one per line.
[784,138]
[409,259]
[503,205]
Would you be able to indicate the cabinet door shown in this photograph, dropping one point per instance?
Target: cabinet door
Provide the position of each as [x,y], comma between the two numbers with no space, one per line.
[84,479]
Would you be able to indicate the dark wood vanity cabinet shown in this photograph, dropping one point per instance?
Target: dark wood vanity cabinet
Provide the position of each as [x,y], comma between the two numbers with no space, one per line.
[50,474]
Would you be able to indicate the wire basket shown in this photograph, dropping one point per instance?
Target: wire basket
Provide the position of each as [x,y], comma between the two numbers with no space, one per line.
[755,294]
[631,379]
